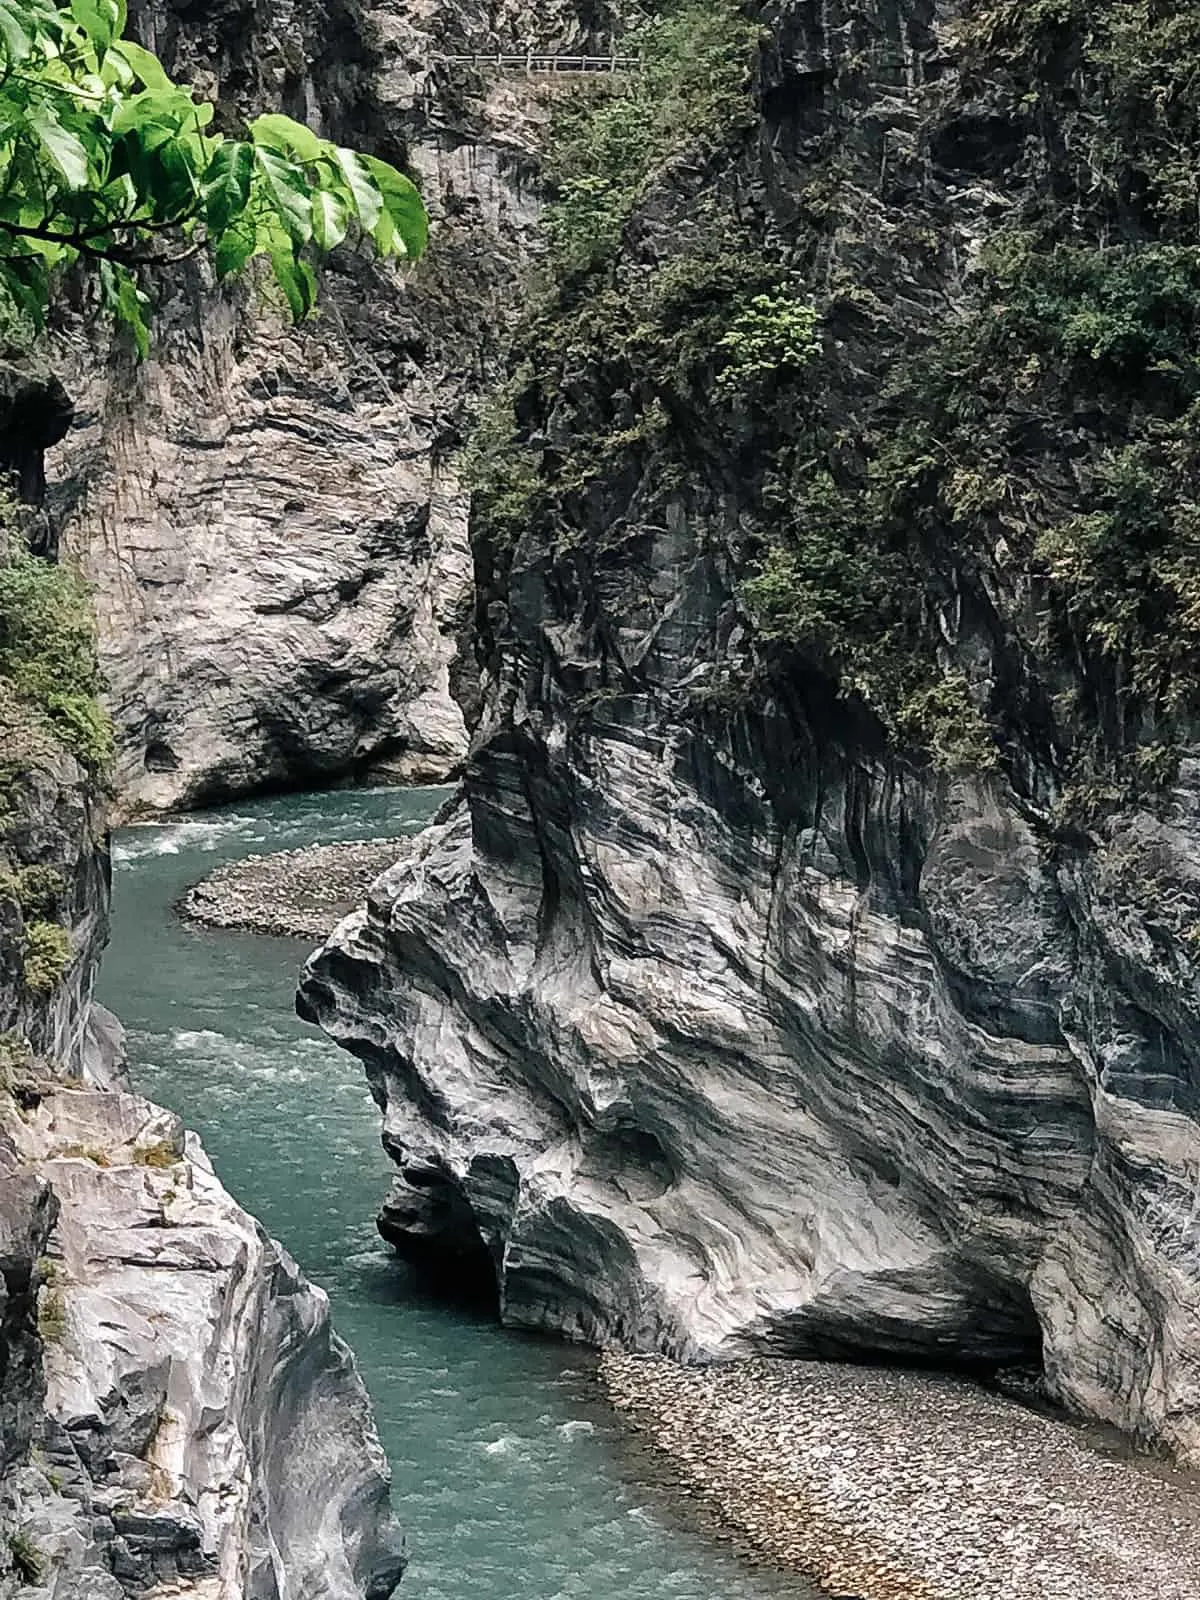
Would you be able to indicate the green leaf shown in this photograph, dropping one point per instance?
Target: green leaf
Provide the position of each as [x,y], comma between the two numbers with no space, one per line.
[295,278]
[284,188]
[368,201]
[404,227]
[25,282]
[144,65]
[330,220]
[17,36]
[236,246]
[97,142]
[225,187]
[120,197]
[277,132]
[131,310]
[64,149]
[163,112]
[126,302]
[102,20]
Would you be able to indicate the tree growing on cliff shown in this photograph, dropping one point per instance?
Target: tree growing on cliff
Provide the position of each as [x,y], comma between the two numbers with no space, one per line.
[106,162]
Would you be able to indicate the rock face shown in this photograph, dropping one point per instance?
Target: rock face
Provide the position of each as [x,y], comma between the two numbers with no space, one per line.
[201,1423]
[176,1407]
[176,1413]
[270,516]
[713,1025]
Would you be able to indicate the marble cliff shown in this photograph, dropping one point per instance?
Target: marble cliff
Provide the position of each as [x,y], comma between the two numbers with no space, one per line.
[176,1413]
[808,961]
[271,516]
[275,535]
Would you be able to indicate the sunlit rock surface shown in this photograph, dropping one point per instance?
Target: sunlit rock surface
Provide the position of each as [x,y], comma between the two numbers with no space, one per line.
[270,516]
[175,1408]
[202,1423]
[706,1024]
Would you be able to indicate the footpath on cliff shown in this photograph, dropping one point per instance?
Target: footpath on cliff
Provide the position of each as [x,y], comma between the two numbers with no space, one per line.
[877,1483]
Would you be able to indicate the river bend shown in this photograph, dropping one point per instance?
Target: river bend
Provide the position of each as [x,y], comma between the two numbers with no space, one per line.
[511,1480]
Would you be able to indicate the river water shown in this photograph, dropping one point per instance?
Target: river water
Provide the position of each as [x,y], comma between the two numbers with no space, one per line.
[511,1480]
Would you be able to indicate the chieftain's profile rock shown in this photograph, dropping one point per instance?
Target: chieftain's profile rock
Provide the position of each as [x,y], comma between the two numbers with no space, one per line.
[711,1019]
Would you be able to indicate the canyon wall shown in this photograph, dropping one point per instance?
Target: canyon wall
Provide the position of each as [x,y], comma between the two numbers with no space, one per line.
[825,982]
[270,515]
[176,1412]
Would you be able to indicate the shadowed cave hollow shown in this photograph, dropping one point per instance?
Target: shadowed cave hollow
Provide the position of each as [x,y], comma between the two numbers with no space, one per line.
[988,1325]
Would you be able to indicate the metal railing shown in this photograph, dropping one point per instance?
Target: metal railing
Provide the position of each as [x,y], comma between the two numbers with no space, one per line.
[541,61]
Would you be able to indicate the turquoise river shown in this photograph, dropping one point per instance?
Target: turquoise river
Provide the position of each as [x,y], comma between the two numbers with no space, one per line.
[511,1479]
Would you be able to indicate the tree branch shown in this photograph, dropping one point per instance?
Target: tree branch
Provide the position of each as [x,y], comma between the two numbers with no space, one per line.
[124,255]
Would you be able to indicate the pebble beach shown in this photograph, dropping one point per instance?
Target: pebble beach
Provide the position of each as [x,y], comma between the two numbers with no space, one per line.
[296,894]
[884,1484]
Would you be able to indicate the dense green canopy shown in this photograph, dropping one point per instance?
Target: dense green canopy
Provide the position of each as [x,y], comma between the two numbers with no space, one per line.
[104,160]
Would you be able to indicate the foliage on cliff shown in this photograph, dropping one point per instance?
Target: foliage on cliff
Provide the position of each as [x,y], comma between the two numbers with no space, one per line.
[693,97]
[689,95]
[48,649]
[105,161]
[961,475]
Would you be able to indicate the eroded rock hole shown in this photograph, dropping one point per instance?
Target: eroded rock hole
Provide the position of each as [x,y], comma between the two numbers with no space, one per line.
[632,1158]
[430,1224]
[160,757]
[951,1322]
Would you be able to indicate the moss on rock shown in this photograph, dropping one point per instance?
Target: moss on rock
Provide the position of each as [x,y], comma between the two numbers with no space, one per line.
[46,957]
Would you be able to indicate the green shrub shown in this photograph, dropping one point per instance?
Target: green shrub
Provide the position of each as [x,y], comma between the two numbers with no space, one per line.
[499,465]
[52,1314]
[15,1057]
[1121,311]
[1121,78]
[47,957]
[35,889]
[161,1155]
[48,651]
[692,92]
[27,1559]
[769,337]
[1004,464]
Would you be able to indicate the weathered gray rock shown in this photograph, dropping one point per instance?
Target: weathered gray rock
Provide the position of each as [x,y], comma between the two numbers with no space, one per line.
[869,1074]
[194,1388]
[712,1026]
[270,516]
[176,1413]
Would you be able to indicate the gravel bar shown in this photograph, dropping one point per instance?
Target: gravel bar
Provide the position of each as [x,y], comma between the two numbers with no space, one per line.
[295,894]
[881,1484]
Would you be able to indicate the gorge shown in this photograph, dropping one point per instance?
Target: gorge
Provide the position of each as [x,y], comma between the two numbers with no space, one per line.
[772,503]
[709,1019]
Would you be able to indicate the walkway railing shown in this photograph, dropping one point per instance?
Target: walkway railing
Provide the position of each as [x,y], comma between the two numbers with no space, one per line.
[534,61]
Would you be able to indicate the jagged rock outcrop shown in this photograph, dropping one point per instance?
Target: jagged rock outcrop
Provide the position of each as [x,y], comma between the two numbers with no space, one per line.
[176,1407]
[707,1020]
[201,1423]
[176,1413]
[271,516]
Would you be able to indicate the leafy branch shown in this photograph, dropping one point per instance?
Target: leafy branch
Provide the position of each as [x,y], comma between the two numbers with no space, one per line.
[104,159]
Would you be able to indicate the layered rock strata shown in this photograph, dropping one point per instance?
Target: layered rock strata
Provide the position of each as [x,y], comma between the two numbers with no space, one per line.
[177,1415]
[270,515]
[710,1023]
[201,1425]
